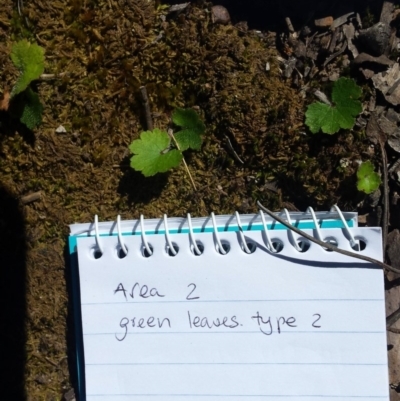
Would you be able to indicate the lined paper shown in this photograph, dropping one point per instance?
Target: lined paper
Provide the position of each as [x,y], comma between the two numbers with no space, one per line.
[304,326]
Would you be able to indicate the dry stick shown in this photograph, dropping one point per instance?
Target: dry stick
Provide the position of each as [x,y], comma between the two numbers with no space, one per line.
[31,197]
[289,25]
[146,104]
[171,134]
[49,77]
[326,244]
[385,220]
[393,318]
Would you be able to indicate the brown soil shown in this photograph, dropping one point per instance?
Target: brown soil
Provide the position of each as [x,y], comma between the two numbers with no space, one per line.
[108,49]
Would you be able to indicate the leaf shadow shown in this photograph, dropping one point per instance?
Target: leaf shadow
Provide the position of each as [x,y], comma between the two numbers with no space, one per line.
[137,187]
[9,126]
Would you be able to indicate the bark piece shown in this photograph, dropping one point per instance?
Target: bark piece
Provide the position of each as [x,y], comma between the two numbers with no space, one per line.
[367,58]
[349,32]
[394,141]
[376,38]
[177,7]
[391,115]
[220,15]
[31,197]
[324,22]
[388,82]
[387,12]
[341,20]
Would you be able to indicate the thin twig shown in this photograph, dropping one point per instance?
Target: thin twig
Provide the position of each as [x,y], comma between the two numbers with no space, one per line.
[49,77]
[289,25]
[385,219]
[171,134]
[326,244]
[393,318]
[334,55]
[146,104]
[235,155]
[31,197]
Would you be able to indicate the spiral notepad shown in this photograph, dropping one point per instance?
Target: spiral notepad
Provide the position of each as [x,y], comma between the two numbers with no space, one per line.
[228,308]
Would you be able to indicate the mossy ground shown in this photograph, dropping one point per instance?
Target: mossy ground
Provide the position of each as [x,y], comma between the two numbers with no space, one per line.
[107,50]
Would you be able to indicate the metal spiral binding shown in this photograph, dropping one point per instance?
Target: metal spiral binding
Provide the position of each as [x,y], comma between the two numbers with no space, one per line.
[219,246]
[120,240]
[144,239]
[97,235]
[171,247]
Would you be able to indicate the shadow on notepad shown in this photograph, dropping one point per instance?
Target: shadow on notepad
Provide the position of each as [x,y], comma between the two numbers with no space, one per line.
[12,298]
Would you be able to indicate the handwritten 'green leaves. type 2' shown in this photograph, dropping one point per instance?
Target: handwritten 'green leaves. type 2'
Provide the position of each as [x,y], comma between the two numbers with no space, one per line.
[330,119]
[156,152]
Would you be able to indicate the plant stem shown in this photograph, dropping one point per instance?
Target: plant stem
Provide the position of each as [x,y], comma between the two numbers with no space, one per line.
[326,244]
[146,104]
[171,134]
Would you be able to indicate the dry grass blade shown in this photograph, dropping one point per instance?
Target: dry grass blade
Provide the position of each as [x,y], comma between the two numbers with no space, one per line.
[325,244]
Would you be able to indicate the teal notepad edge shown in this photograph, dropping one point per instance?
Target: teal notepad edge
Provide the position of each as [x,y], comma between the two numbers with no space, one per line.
[72,245]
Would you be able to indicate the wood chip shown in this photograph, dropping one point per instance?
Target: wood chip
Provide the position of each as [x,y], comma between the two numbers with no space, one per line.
[388,82]
[341,20]
[177,7]
[4,103]
[31,197]
[349,32]
[367,58]
[324,22]
[387,12]
[321,96]
[376,38]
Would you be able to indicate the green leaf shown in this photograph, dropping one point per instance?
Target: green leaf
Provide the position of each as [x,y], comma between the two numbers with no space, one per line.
[192,129]
[368,180]
[188,118]
[187,138]
[330,119]
[32,109]
[152,153]
[29,59]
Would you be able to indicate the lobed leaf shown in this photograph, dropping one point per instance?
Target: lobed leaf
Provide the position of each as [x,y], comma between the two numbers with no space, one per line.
[188,138]
[29,59]
[152,153]
[188,118]
[329,119]
[32,109]
[192,129]
[368,180]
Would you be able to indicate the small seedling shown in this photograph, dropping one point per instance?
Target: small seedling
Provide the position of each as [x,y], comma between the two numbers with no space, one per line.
[368,180]
[330,119]
[24,102]
[157,151]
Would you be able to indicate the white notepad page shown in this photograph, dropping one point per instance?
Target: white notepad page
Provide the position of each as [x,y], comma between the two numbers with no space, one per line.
[300,326]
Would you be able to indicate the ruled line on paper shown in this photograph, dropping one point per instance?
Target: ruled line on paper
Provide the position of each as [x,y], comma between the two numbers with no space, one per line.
[235,363]
[238,332]
[239,395]
[233,301]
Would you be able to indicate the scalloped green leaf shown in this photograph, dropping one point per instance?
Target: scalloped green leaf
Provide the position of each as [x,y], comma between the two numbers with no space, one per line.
[368,180]
[29,59]
[32,109]
[188,118]
[192,129]
[330,119]
[187,138]
[152,153]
